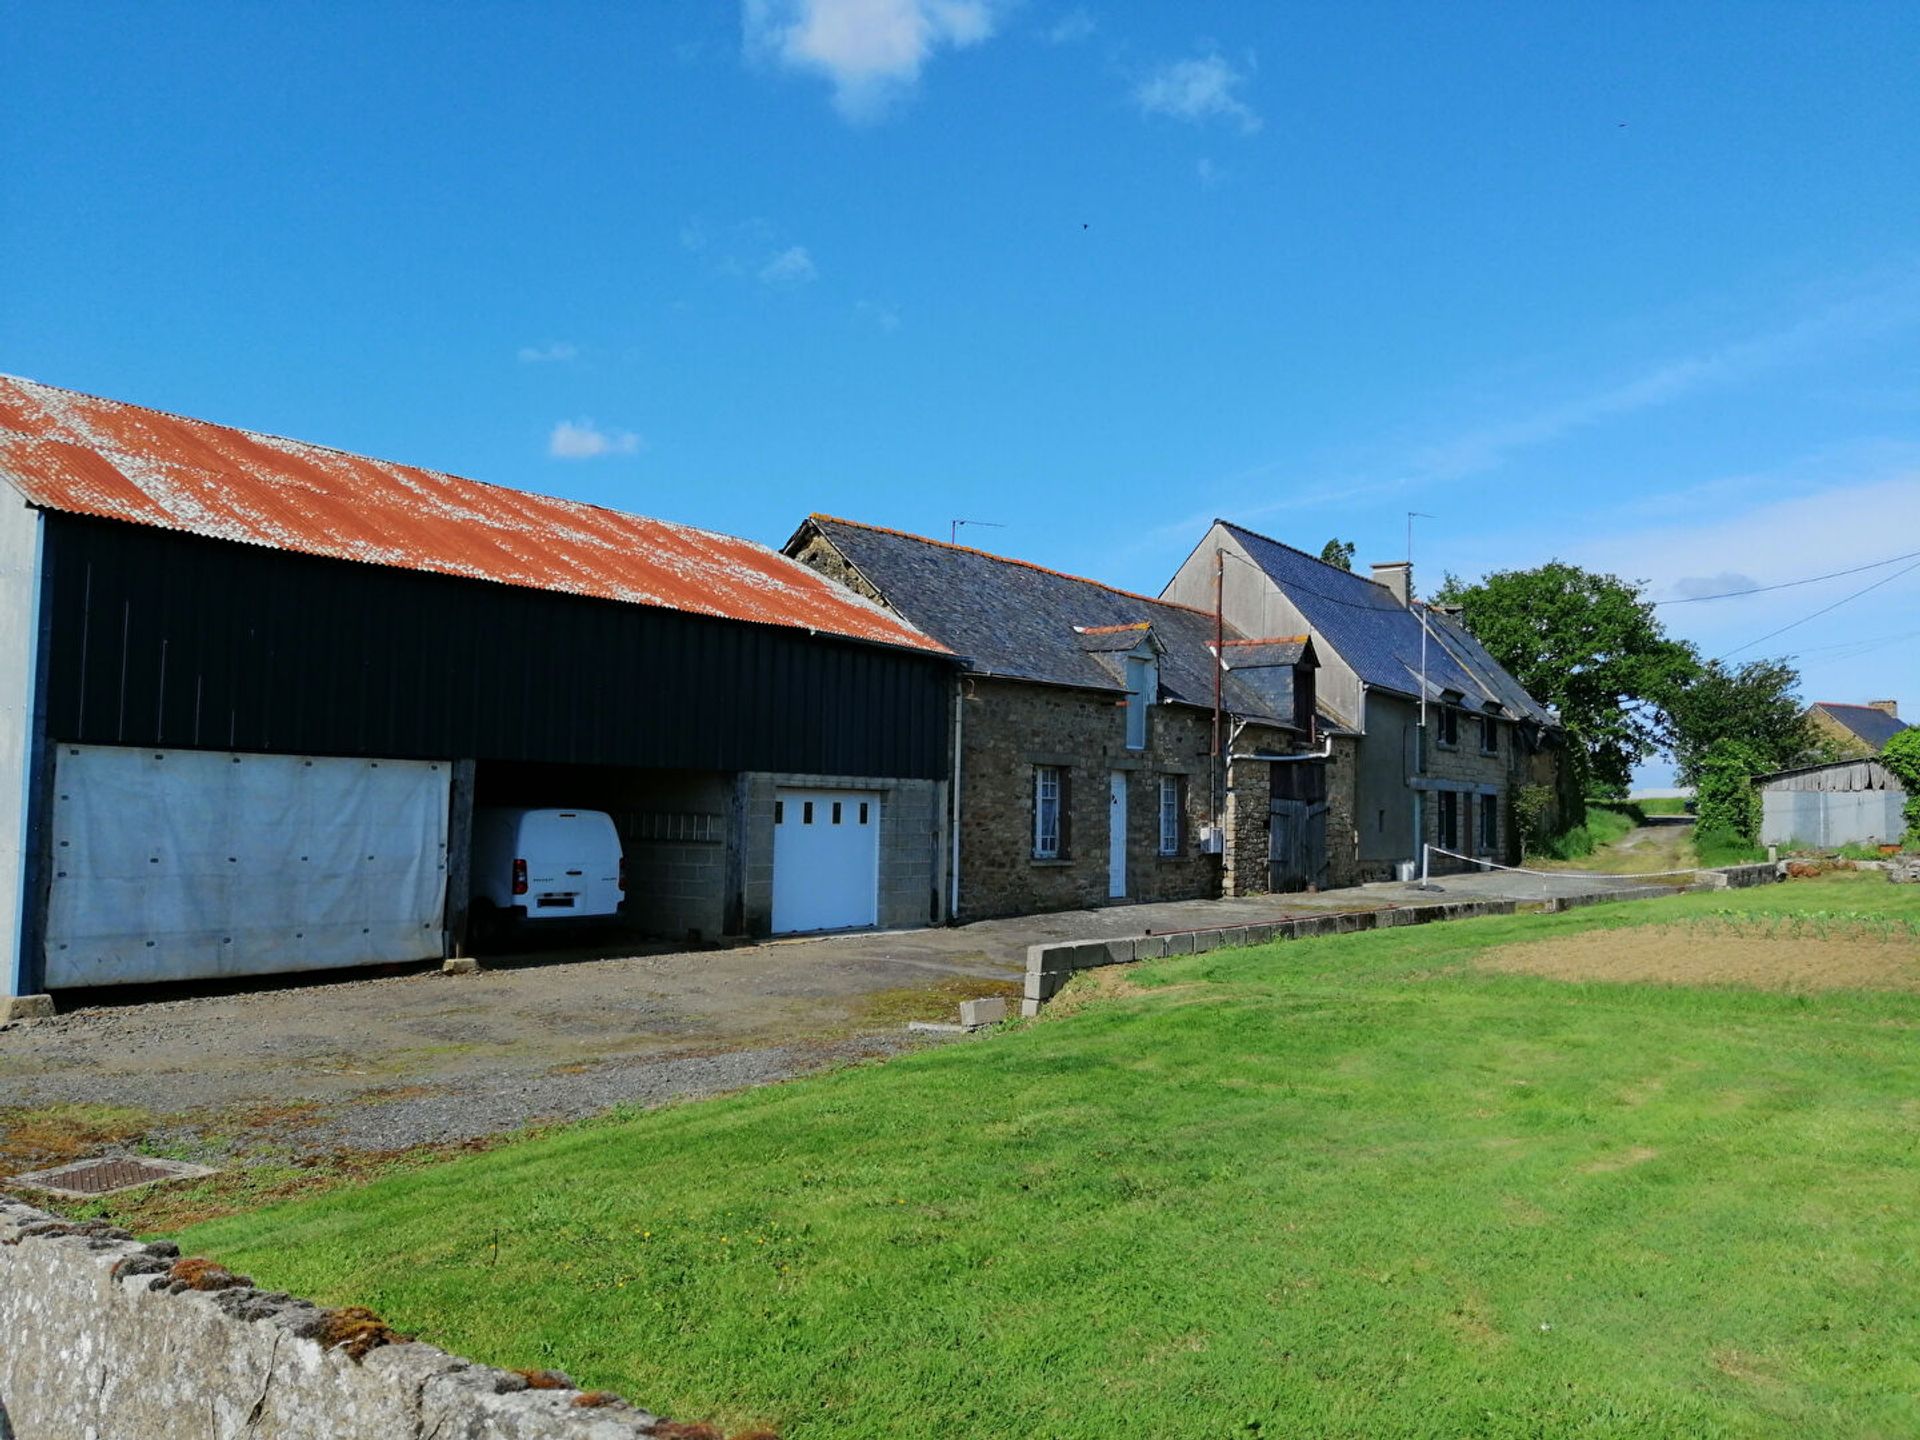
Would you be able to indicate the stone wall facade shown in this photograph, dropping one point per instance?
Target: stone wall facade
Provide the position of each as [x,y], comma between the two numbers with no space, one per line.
[1011,728]
[1482,781]
[1343,838]
[1008,729]
[109,1339]
[913,849]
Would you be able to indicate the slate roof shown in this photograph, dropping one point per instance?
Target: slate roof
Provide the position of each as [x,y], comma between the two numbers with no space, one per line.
[1870,726]
[1021,621]
[1381,639]
[85,455]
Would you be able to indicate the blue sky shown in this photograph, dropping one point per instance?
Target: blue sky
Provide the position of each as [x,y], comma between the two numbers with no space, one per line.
[1636,286]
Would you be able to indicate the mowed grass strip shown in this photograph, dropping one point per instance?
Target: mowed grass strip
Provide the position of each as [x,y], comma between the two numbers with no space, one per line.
[1354,1186]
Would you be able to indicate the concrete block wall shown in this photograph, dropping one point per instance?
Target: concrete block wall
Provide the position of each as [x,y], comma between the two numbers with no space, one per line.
[677,886]
[105,1339]
[913,845]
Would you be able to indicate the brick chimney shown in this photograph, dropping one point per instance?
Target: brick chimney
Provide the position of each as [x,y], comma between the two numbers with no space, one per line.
[1890,707]
[1397,576]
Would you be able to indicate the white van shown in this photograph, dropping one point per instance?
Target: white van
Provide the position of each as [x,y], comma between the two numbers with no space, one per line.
[545,865]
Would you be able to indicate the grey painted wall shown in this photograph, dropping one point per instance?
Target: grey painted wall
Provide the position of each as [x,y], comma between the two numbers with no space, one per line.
[19,619]
[1386,760]
[1257,608]
[1862,817]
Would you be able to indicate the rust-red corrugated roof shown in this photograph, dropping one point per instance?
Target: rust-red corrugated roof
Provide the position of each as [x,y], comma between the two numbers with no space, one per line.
[67,451]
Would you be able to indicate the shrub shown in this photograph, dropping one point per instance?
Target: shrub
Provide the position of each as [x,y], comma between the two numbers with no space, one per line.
[1533,818]
[1726,802]
[1902,757]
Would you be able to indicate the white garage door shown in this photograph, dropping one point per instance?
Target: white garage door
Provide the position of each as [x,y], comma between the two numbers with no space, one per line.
[826,859]
[182,864]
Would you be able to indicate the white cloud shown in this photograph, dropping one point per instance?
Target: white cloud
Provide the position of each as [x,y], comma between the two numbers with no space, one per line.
[583,440]
[1206,87]
[792,266]
[1071,28]
[871,51]
[554,351]
[1208,172]
[886,317]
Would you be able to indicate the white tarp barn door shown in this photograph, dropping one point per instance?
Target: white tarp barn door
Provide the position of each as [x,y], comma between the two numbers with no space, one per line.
[826,859]
[183,864]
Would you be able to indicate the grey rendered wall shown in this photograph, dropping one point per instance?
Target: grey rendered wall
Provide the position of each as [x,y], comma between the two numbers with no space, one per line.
[1382,801]
[913,832]
[19,617]
[1257,608]
[1863,817]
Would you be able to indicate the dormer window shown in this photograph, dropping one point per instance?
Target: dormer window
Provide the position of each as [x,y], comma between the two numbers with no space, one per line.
[1143,688]
[1449,725]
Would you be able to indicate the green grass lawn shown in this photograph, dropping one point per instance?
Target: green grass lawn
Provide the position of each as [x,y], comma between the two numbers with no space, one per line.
[1340,1187]
[1663,805]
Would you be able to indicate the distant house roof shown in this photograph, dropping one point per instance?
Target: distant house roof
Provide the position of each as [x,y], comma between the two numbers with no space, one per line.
[1869,725]
[1381,639]
[78,453]
[1020,621]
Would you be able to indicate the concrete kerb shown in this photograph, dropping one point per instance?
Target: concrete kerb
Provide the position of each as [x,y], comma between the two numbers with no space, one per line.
[1049,967]
[15,1009]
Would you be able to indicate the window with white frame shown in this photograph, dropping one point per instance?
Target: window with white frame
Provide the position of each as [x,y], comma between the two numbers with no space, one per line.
[1143,684]
[1172,812]
[1048,788]
[1489,824]
[1489,735]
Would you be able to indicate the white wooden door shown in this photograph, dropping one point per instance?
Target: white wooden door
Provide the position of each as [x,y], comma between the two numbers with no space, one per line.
[1117,834]
[826,859]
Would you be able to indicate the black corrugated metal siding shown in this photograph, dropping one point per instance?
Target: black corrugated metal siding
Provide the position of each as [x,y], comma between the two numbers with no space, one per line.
[160,638]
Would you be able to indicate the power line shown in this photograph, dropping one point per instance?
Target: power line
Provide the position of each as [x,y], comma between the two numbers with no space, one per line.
[1883,580]
[1863,642]
[1788,584]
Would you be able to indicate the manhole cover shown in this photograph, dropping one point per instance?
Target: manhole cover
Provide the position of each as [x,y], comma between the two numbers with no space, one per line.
[108,1174]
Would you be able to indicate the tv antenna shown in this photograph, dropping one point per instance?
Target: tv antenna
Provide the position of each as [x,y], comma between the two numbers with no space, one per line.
[953,532]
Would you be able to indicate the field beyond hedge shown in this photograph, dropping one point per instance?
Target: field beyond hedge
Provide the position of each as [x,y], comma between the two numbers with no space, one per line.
[1370,1185]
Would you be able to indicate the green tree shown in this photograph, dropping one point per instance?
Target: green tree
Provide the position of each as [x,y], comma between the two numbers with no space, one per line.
[1902,757]
[1590,647]
[1725,801]
[1338,552]
[1757,703]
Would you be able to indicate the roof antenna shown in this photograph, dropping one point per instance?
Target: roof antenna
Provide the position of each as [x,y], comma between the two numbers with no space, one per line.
[1413,515]
[953,532]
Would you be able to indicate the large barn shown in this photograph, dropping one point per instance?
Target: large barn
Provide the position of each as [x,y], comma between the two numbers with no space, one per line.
[251,691]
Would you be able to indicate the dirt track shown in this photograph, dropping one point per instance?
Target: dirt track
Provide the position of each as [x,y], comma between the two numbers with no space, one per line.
[1690,955]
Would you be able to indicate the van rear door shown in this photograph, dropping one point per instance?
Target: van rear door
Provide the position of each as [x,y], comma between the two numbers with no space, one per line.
[573,863]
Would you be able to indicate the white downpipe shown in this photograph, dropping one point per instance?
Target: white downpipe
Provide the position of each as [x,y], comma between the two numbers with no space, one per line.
[953,806]
[1426,855]
[1324,752]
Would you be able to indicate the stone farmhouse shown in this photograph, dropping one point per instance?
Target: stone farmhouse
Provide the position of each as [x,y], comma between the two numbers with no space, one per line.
[1441,736]
[1856,731]
[1093,767]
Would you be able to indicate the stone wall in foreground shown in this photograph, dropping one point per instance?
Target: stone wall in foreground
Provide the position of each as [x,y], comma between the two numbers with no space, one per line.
[102,1338]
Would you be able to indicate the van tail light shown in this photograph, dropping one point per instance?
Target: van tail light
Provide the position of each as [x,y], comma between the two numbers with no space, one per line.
[519,877]
[622,882]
